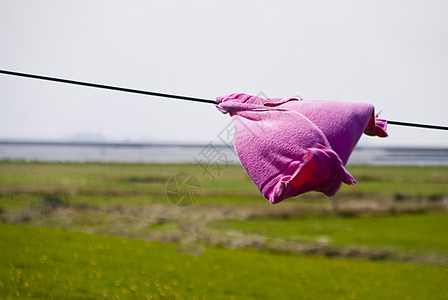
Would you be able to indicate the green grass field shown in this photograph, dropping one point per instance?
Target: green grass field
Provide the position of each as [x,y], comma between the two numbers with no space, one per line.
[415,233]
[49,263]
[91,231]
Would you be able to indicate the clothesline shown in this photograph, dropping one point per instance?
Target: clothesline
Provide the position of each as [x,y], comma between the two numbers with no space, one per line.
[108,87]
[179,97]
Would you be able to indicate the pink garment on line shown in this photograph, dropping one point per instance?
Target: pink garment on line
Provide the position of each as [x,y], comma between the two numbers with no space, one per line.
[289,146]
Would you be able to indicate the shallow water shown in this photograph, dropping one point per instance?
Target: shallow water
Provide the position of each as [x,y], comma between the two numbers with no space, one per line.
[207,153]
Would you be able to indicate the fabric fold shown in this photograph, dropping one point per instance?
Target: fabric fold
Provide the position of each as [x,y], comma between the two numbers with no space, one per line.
[240,102]
[376,127]
[321,170]
[289,146]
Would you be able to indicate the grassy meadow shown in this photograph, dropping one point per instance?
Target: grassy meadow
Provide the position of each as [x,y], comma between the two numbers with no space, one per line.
[108,231]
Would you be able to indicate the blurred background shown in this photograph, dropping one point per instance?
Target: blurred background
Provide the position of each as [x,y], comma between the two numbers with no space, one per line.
[393,54]
[114,195]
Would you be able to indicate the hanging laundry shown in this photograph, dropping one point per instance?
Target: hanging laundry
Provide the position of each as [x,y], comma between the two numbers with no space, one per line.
[289,146]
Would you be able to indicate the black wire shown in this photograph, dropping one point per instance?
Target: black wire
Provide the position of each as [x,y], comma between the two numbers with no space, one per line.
[417,125]
[101,86]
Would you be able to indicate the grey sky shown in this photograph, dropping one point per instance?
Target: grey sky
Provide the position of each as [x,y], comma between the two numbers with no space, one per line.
[393,54]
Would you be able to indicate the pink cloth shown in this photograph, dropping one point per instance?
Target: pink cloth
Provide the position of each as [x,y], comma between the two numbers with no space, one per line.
[289,146]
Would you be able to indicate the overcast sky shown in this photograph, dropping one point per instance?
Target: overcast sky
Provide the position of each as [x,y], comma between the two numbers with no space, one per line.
[393,54]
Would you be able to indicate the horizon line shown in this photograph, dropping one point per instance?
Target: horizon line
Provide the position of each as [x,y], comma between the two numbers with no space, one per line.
[50,142]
